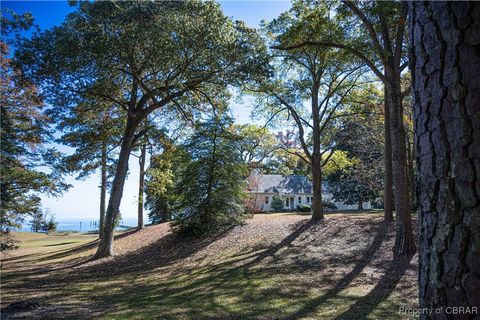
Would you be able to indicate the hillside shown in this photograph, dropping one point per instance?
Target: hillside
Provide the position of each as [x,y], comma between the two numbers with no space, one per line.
[273,267]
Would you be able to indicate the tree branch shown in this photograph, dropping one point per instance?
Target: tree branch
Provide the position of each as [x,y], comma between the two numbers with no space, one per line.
[307,161]
[368,25]
[336,45]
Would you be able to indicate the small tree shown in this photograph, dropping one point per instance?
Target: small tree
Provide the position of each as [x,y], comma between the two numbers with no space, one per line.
[37,221]
[212,184]
[277,203]
[49,225]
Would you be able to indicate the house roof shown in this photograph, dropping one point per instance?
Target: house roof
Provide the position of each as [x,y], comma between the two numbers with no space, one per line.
[275,183]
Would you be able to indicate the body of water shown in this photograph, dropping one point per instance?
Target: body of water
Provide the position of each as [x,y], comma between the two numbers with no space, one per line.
[84,225]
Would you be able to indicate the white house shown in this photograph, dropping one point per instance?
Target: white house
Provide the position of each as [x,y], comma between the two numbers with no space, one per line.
[294,190]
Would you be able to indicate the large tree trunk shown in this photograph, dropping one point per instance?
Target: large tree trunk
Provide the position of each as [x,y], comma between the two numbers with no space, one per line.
[388,188]
[445,67]
[141,185]
[105,248]
[404,241]
[103,189]
[317,205]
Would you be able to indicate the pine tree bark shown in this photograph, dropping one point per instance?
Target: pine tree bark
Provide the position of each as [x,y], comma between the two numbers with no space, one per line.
[105,248]
[103,189]
[141,184]
[445,65]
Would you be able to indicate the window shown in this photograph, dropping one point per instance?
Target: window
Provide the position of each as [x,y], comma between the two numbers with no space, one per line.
[286,202]
[267,200]
[308,199]
[299,199]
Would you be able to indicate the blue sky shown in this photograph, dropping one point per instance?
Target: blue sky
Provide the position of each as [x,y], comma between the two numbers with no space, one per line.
[82,201]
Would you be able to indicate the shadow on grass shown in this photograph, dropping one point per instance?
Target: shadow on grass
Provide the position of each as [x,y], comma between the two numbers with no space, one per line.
[384,287]
[59,244]
[301,227]
[328,213]
[280,280]
[366,258]
[84,247]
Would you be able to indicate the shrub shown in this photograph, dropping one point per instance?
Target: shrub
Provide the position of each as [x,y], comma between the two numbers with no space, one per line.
[277,203]
[304,207]
[329,205]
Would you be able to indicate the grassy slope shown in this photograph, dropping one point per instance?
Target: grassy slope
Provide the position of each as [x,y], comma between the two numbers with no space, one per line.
[274,267]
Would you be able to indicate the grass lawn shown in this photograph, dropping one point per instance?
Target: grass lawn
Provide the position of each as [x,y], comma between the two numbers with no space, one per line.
[276,266]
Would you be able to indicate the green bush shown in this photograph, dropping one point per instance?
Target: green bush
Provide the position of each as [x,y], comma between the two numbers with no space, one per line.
[304,207]
[277,203]
[329,205]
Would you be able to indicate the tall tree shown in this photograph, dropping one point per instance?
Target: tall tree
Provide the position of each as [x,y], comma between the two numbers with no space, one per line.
[445,68]
[94,131]
[144,57]
[24,130]
[381,25]
[321,77]
[212,185]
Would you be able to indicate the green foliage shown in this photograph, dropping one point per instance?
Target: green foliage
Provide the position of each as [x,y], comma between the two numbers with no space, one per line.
[257,144]
[161,178]
[277,203]
[37,221]
[329,205]
[24,129]
[118,219]
[43,222]
[49,225]
[361,179]
[339,160]
[212,185]
[94,131]
[304,208]
[121,50]
[351,191]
